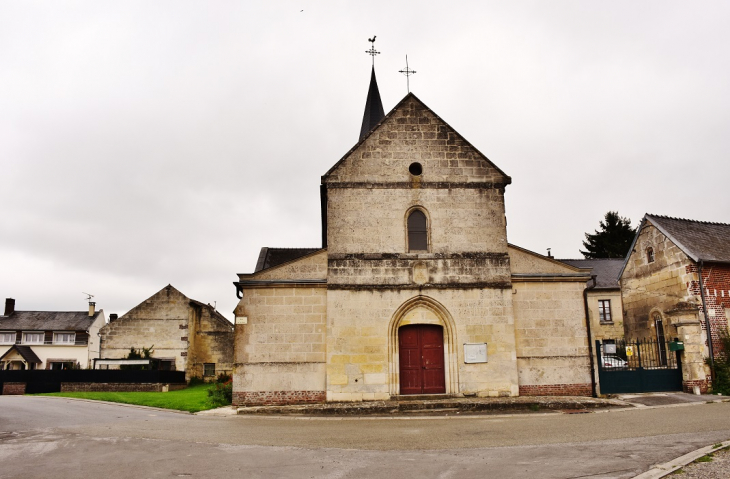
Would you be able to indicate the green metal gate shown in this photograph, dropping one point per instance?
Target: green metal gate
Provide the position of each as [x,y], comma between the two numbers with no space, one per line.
[645,365]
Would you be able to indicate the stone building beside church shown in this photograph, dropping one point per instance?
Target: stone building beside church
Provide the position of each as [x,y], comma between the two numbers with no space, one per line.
[415,289]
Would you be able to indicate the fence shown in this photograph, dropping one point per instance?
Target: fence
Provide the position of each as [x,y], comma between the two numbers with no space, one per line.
[48,381]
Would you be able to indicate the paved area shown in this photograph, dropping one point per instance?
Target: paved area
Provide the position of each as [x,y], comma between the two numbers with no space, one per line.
[53,437]
[669,398]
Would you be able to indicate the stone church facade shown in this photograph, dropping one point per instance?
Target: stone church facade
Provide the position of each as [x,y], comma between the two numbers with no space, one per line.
[416,290]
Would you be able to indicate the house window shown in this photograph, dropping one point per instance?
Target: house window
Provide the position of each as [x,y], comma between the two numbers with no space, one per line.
[417,231]
[604,310]
[208,369]
[64,338]
[33,338]
[7,338]
[649,254]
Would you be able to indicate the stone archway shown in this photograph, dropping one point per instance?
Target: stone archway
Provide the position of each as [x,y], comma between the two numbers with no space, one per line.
[427,311]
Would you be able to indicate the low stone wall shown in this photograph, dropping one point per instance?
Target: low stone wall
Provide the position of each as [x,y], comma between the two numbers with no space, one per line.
[278,398]
[13,389]
[120,387]
[557,390]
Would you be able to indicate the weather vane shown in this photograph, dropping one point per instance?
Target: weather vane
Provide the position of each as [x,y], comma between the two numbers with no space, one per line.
[372,52]
[407,72]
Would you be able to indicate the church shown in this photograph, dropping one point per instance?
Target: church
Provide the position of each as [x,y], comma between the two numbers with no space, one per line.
[415,290]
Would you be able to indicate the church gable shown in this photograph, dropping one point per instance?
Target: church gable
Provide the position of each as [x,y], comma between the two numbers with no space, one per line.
[412,133]
[311,266]
[524,262]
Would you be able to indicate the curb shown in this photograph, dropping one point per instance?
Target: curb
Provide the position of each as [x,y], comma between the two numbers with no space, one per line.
[663,470]
[138,406]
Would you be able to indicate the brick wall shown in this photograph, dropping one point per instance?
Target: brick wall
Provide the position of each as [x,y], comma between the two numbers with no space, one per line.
[13,389]
[556,390]
[120,387]
[277,398]
[716,280]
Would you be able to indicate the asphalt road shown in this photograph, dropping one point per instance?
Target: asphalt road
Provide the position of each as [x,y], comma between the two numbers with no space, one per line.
[59,438]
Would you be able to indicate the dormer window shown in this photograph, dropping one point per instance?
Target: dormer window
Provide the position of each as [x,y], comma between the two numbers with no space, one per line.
[649,254]
[417,231]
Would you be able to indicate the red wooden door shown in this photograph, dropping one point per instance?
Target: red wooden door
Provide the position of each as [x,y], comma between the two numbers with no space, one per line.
[421,354]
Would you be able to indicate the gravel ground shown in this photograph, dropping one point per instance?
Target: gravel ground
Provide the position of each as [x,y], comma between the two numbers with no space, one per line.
[718,468]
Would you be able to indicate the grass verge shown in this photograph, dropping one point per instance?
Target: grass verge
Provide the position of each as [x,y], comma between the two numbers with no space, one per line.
[191,399]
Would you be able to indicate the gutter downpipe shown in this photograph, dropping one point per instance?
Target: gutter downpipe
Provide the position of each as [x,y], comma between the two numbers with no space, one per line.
[590,336]
[707,323]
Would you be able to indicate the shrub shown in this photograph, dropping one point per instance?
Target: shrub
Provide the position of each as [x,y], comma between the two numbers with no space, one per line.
[195,380]
[221,394]
[721,384]
[223,378]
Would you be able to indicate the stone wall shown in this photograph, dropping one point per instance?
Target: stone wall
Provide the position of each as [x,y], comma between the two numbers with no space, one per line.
[177,328]
[280,350]
[657,286]
[362,340]
[210,341]
[551,338]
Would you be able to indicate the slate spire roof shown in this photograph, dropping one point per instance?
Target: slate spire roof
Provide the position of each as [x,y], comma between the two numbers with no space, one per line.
[373,108]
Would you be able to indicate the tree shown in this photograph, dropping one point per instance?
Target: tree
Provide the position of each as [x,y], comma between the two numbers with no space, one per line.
[612,241]
[144,353]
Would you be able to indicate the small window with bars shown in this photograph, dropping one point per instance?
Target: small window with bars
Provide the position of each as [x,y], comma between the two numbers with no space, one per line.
[649,254]
[604,310]
[208,369]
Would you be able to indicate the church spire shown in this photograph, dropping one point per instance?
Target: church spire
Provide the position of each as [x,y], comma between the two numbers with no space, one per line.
[373,106]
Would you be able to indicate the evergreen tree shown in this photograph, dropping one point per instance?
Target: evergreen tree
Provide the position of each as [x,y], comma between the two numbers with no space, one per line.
[612,241]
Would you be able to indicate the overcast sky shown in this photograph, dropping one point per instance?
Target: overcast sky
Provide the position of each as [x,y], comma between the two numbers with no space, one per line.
[153,142]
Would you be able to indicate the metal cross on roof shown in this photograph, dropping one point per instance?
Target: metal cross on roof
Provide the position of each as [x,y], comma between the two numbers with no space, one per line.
[407,72]
[372,52]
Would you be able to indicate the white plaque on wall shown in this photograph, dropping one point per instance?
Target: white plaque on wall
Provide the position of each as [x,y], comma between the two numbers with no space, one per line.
[475,353]
[241,319]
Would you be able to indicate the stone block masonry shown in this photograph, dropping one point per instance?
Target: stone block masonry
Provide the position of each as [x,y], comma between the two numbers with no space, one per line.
[120,387]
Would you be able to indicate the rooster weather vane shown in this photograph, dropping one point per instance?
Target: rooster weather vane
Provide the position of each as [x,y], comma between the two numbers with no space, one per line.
[372,52]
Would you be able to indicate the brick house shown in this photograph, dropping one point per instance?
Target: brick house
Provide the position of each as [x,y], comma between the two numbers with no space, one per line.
[416,289]
[675,283]
[186,335]
[49,339]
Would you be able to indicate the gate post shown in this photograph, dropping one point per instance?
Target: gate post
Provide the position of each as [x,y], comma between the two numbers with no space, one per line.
[685,317]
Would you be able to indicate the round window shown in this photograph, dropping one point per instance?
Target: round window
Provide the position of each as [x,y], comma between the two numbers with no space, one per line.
[416,169]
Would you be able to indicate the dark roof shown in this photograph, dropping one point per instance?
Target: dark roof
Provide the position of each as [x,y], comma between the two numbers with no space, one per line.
[606,270]
[48,320]
[270,257]
[373,107]
[700,240]
[25,352]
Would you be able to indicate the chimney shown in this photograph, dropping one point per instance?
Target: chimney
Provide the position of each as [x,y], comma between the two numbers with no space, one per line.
[113,317]
[92,308]
[9,306]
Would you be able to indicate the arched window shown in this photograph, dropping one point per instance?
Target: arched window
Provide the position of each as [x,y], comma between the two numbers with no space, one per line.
[649,254]
[417,231]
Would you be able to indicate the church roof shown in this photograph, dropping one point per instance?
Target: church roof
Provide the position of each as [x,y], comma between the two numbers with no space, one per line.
[373,108]
[270,257]
[700,240]
[48,320]
[606,270]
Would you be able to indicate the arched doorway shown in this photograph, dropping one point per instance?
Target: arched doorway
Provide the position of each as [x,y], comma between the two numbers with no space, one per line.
[421,359]
[422,349]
